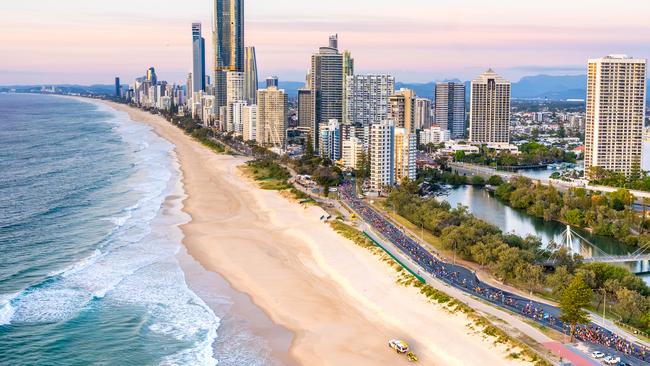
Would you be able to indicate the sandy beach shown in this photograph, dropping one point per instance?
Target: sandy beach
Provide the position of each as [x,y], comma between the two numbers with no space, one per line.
[339,300]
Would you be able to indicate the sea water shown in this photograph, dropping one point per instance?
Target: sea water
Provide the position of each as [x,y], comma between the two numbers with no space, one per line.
[89,242]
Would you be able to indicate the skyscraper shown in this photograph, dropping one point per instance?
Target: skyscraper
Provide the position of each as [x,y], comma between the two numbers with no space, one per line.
[348,70]
[422,113]
[305,106]
[250,75]
[401,109]
[151,76]
[616,95]
[118,88]
[405,148]
[367,98]
[250,123]
[271,117]
[235,93]
[382,168]
[327,86]
[228,43]
[489,113]
[198,58]
[450,108]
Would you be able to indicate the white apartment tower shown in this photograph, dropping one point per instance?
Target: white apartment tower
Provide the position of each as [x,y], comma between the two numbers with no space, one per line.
[352,151]
[489,113]
[405,148]
[271,117]
[249,117]
[616,95]
[382,168]
[367,98]
[235,94]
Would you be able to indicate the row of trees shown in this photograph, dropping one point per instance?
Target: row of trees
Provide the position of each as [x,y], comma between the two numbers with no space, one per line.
[639,180]
[531,153]
[606,214]
[519,261]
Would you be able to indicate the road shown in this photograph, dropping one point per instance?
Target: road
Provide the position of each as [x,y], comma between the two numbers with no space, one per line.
[466,283]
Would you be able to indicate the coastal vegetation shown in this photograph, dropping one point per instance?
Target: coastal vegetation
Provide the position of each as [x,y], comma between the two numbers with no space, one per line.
[531,153]
[605,214]
[639,181]
[522,262]
[196,129]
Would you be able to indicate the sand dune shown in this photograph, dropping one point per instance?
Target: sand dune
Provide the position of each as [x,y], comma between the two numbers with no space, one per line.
[339,300]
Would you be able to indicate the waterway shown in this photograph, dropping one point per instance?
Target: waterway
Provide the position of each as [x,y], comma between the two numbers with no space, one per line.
[485,206]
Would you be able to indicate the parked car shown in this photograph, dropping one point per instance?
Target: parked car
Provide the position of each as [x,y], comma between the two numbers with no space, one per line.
[612,360]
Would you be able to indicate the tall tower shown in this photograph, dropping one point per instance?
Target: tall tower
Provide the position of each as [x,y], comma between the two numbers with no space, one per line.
[616,95]
[489,113]
[271,117]
[228,43]
[422,113]
[401,109]
[327,87]
[198,59]
[382,163]
[348,70]
[250,75]
[367,98]
[450,108]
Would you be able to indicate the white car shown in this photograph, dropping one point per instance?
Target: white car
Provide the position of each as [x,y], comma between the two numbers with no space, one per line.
[398,346]
[612,360]
[597,354]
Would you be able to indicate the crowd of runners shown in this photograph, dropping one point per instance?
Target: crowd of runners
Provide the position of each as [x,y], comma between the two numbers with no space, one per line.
[467,281]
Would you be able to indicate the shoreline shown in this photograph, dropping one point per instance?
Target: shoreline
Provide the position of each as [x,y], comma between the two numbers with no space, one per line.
[329,293]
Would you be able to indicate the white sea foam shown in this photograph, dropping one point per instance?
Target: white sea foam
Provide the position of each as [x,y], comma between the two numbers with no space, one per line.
[6,310]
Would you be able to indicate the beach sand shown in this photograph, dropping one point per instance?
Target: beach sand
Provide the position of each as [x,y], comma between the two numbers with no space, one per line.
[340,302]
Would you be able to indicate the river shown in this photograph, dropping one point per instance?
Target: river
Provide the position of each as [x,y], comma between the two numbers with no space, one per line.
[483,205]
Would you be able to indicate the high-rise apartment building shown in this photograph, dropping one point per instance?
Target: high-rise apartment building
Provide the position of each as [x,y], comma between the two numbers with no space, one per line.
[382,168]
[401,109]
[405,149]
[450,108]
[305,109]
[489,113]
[235,94]
[228,44]
[250,75]
[198,59]
[271,117]
[348,70]
[249,118]
[367,98]
[326,81]
[616,95]
[352,151]
[330,140]
[237,116]
[423,118]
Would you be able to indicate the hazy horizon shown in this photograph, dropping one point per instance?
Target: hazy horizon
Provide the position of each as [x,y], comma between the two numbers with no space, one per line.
[78,42]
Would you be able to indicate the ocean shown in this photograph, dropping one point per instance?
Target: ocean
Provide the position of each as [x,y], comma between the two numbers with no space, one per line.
[92,268]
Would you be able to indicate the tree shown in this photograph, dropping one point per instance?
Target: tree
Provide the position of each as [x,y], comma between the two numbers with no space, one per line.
[495,181]
[630,304]
[559,280]
[477,180]
[573,300]
[459,156]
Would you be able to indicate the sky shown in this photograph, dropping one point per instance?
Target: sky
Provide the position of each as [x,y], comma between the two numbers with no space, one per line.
[91,42]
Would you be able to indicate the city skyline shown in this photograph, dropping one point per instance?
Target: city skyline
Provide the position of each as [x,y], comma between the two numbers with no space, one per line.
[438,41]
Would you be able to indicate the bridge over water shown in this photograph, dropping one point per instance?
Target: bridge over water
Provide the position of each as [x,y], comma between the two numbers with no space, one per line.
[598,255]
